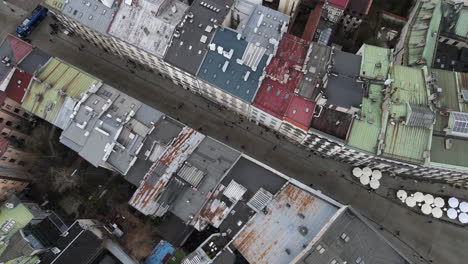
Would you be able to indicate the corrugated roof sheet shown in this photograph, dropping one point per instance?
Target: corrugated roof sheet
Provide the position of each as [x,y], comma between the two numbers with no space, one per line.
[20,214]
[292,220]
[461,29]
[366,129]
[422,35]
[57,80]
[402,141]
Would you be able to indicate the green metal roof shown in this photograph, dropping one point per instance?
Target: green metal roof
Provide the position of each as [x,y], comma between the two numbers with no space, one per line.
[401,141]
[423,33]
[447,80]
[57,80]
[364,133]
[461,29]
[375,62]
[24,260]
[20,214]
[457,155]
[56,4]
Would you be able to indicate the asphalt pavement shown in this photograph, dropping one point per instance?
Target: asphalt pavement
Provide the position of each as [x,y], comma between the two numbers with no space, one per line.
[422,238]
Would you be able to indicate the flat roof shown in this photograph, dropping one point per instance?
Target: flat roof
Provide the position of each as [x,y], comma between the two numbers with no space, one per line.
[349,238]
[18,85]
[214,159]
[317,61]
[194,33]
[332,122]
[20,214]
[148,24]
[455,156]
[359,8]
[283,76]
[264,27]
[300,112]
[56,81]
[91,13]
[295,216]
[341,4]
[35,60]
[375,62]
[226,71]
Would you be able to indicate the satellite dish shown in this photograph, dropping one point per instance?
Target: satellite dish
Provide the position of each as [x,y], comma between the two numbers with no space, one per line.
[376,174]
[410,202]
[364,180]
[463,207]
[357,172]
[426,209]
[401,194]
[453,202]
[429,199]
[463,218]
[452,213]
[439,202]
[374,184]
[437,212]
[367,171]
[418,197]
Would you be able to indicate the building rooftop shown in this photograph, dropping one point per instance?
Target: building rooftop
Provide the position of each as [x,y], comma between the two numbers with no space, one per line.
[194,33]
[359,8]
[312,22]
[365,129]
[300,112]
[350,239]
[34,61]
[265,28]
[167,160]
[403,139]
[91,13]
[317,61]
[375,62]
[454,20]
[56,83]
[18,85]
[332,122]
[421,39]
[213,159]
[148,24]
[283,76]
[341,4]
[294,217]
[18,216]
[229,65]
[166,130]
[12,51]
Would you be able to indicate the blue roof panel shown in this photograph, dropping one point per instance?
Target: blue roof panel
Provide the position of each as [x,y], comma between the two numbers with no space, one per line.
[232,79]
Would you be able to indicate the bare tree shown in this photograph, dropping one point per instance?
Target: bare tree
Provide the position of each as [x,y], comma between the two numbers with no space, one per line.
[62,179]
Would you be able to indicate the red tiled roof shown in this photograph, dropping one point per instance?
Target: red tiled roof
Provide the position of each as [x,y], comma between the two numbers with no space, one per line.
[19,47]
[3,145]
[18,84]
[300,112]
[283,76]
[341,4]
[312,22]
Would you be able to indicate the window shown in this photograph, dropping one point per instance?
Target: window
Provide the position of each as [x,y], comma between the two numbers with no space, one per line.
[7,106]
[3,158]
[12,160]
[16,110]
[25,115]
[8,123]
[21,163]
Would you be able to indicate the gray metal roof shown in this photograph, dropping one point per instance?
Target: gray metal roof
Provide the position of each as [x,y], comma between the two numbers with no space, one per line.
[214,158]
[350,239]
[199,20]
[226,71]
[292,219]
[264,27]
[36,59]
[314,69]
[148,24]
[91,13]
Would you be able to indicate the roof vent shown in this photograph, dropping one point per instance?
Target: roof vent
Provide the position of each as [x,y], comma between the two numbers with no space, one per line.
[303,230]
[465,96]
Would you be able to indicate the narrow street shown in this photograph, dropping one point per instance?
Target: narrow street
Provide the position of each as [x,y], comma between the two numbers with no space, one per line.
[434,241]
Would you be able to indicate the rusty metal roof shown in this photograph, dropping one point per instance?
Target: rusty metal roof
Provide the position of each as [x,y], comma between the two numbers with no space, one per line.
[292,220]
[145,198]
